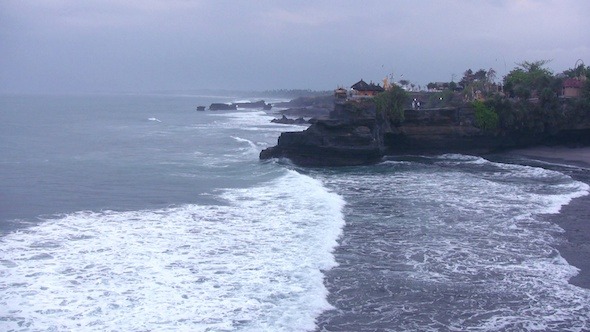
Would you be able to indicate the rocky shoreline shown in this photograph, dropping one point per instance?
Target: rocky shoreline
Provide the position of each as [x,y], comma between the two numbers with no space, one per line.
[346,137]
[355,133]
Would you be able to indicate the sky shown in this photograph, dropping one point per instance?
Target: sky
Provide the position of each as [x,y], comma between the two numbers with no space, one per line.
[86,46]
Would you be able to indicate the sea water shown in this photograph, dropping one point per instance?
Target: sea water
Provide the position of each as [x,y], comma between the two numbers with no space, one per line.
[136,212]
[452,243]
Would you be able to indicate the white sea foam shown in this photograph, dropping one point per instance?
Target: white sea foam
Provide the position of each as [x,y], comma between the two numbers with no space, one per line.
[254,120]
[154,119]
[253,264]
[461,159]
[252,147]
[472,231]
[551,189]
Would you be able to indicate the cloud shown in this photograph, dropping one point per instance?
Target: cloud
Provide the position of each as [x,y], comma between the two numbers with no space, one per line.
[111,44]
[306,16]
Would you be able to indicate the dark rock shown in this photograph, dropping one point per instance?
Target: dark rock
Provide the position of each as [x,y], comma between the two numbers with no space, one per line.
[308,112]
[300,121]
[326,101]
[285,120]
[355,134]
[257,104]
[310,107]
[222,107]
[332,142]
[453,130]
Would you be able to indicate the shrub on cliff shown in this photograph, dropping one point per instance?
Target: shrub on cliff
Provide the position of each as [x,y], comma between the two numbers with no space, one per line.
[525,117]
[485,117]
[390,103]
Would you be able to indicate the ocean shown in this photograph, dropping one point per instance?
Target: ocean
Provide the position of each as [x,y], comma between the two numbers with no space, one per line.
[139,213]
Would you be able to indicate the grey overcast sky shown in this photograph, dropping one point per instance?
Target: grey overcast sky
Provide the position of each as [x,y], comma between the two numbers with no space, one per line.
[69,46]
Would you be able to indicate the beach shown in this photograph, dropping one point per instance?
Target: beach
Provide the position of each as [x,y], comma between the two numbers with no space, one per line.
[574,218]
[573,156]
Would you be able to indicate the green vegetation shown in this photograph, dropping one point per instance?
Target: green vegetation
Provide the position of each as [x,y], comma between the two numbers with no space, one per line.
[478,84]
[530,80]
[485,117]
[528,100]
[390,103]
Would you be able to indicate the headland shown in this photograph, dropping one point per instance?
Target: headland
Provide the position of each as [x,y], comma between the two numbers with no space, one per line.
[357,133]
[531,108]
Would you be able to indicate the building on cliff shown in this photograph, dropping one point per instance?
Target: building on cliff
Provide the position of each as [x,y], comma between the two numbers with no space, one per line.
[572,88]
[364,89]
[340,94]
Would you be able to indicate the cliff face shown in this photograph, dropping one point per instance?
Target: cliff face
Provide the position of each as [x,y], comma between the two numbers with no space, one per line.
[350,136]
[428,131]
[355,134]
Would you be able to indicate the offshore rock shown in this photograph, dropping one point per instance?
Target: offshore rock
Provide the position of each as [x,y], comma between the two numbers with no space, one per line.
[286,120]
[256,104]
[222,107]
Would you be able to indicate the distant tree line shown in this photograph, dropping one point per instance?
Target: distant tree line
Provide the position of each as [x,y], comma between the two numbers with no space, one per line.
[294,93]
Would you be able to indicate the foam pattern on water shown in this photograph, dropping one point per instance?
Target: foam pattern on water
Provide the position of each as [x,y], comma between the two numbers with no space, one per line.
[252,130]
[252,264]
[453,243]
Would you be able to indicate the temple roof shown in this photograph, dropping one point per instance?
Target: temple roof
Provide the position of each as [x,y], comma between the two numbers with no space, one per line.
[364,86]
[572,83]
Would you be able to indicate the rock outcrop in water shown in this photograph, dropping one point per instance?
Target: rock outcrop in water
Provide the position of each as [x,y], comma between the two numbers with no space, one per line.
[285,120]
[356,134]
[222,107]
[350,136]
[255,104]
[234,106]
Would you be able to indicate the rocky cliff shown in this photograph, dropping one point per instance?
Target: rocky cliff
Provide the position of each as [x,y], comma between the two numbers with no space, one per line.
[356,134]
[351,135]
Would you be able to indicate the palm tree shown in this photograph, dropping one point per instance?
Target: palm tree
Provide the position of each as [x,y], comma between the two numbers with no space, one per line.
[490,79]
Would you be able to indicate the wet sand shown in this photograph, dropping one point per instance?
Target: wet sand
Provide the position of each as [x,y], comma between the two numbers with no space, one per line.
[573,156]
[574,218]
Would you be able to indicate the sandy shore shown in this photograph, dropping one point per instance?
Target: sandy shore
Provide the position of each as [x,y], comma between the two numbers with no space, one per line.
[576,156]
[574,218]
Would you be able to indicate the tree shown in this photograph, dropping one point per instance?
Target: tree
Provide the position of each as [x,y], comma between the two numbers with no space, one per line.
[480,75]
[477,84]
[452,86]
[529,79]
[491,75]
[579,71]
[490,79]
[467,78]
[485,117]
[390,103]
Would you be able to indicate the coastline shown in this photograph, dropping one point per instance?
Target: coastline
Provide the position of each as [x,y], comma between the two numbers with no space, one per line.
[573,218]
[570,156]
